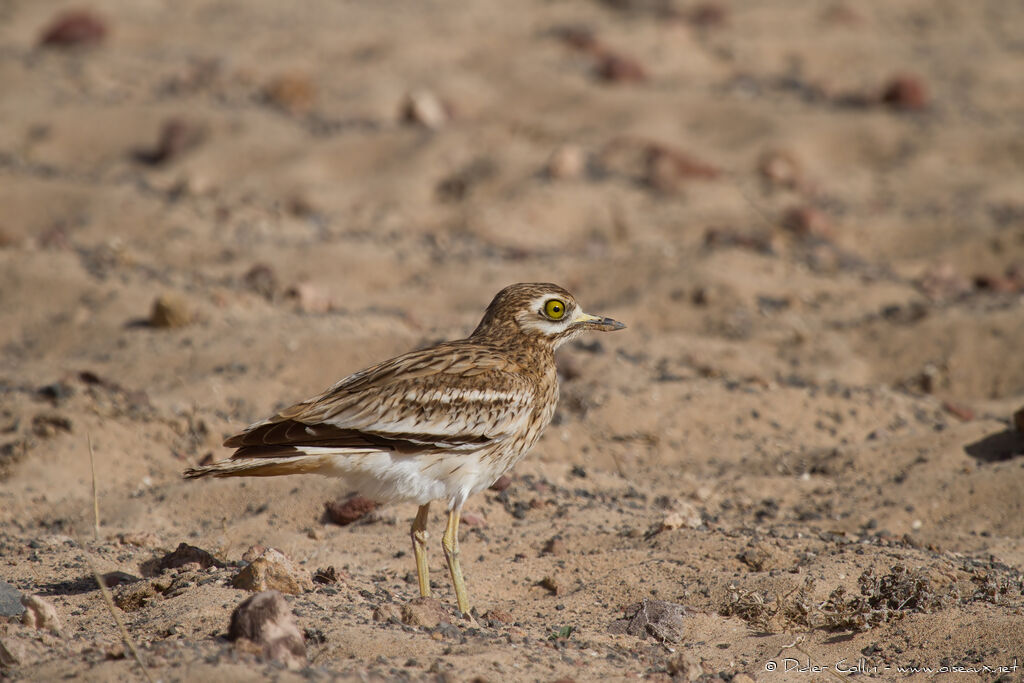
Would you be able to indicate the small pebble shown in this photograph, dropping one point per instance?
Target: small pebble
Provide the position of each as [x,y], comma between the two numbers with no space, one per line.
[311,298]
[293,93]
[1018,420]
[351,510]
[553,585]
[74,28]
[264,624]
[554,546]
[426,109]
[683,514]
[41,614]
[709,15]
[262,281]
[668,168]
[170,311]
[425,613]
[780,169]
[566,163]
[273,571]
[501,483]
[807,221]
[177,136]
[906,93]
[616,68]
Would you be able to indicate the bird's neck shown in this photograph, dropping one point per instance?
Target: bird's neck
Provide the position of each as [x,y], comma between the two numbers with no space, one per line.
[533,356]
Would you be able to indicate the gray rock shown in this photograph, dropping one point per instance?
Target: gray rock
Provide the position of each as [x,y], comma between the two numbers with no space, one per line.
[663,621]
[10,601]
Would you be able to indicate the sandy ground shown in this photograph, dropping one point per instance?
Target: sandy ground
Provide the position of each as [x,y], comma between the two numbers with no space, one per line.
[810,215]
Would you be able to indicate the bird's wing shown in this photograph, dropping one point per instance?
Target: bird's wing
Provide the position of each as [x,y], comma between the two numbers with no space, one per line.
[453,396]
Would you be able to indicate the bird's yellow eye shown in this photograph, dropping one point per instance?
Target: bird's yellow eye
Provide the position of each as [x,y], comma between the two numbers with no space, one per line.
[554,309]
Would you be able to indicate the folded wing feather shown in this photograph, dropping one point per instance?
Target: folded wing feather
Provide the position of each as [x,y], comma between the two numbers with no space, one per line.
[419,402]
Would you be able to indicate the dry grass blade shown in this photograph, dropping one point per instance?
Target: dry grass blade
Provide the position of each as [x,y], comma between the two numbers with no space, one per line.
[104,591]
[618,466]
[109,600]
[95,494]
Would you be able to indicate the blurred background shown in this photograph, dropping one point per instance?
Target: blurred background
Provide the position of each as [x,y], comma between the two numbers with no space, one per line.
[810,215]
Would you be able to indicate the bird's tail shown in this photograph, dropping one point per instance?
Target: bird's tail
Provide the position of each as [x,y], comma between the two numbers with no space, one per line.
[260,467]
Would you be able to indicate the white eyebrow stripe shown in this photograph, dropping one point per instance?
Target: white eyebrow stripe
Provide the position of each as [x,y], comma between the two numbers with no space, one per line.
[547,327]
[538,303]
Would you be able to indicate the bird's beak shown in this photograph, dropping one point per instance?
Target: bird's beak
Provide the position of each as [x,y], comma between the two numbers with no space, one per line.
[596,322]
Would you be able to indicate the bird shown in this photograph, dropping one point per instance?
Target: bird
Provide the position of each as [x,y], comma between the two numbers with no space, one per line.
[438,423]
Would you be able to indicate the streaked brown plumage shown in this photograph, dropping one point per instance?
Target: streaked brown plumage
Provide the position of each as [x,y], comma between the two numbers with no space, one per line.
[439,423]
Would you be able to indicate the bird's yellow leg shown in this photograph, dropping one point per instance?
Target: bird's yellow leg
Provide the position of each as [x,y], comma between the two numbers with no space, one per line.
[419,548]
[450,542]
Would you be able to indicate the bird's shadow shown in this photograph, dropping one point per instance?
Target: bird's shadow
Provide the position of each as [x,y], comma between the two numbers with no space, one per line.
[997,447]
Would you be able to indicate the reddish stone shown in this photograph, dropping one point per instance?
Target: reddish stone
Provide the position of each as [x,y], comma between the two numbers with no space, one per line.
[906,93]
[806,221]
[709,15]
[620,69]
[501,483]
[668,168]
[75,27]
[958,410]
[176,137]
[580,38]
[349,511]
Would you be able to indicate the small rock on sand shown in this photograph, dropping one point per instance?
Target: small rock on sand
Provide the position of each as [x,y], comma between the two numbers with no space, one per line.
[140,539]
[566,163]
[682,515]
[18,651]
[10,601]
[425,108]
[134,596]
[387,612]
[272,571]
[501,483]
[1018,420]
[424,612]
[685,666]
[264,624]
[659,619]
[74,28]
[169,311]
[40,614]
[184,555]
[553,585]
[351,510]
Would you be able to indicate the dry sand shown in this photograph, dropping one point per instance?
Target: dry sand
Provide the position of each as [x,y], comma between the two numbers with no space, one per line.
[810,214]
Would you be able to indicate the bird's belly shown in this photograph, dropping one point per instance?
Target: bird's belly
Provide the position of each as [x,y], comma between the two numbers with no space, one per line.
[391,477]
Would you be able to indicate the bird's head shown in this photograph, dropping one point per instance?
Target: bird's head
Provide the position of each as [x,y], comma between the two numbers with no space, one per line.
[543,312]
